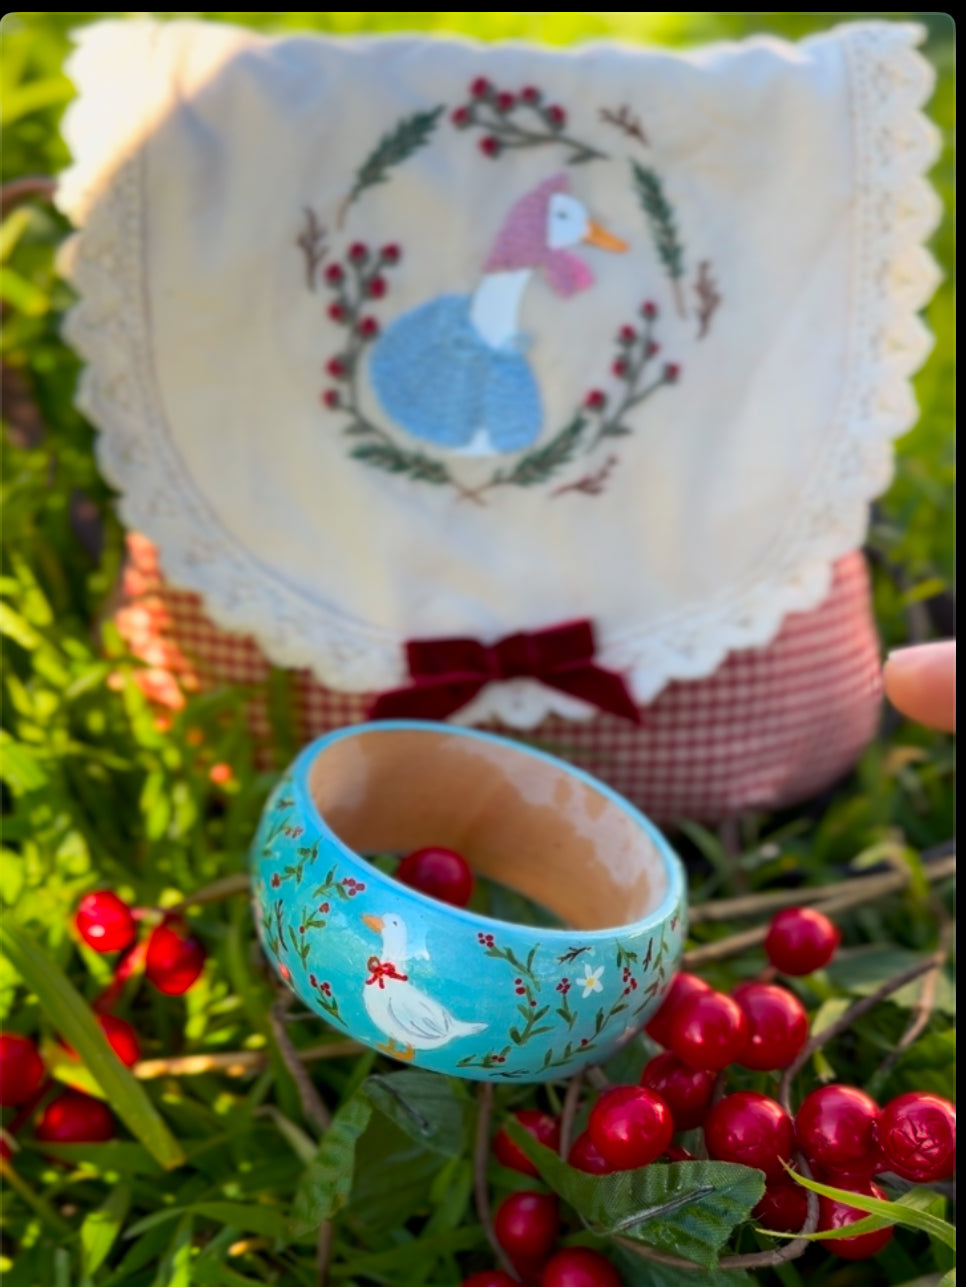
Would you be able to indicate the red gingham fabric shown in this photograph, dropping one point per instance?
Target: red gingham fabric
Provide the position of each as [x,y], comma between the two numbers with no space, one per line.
[771,727]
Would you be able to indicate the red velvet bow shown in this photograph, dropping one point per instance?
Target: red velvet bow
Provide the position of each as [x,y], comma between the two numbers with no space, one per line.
[448,673]
[382,970]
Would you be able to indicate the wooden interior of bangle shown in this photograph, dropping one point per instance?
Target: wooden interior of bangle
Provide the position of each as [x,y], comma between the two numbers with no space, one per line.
[515,818]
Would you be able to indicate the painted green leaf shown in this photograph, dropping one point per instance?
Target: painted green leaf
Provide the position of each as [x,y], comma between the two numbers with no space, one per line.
[327,1180]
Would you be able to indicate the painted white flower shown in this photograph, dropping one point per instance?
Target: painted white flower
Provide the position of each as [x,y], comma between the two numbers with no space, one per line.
[591,981]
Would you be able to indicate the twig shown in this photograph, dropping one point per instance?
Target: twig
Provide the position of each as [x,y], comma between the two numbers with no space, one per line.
[323,1253]
[481,1192]
[591,484]
[927,997]
[313,1109]
[569,1113]
[597,1077]
[227,887]
[17,190]
[708,297]
[233,1063]
[630,125]
[311,241]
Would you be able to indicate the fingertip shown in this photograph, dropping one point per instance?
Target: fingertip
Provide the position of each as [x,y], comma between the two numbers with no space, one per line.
[921,683]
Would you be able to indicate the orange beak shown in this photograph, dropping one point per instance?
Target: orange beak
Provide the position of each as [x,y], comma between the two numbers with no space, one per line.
[598,236]
[374,923]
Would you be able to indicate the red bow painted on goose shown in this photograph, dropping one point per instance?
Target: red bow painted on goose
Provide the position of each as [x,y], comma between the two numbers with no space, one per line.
[382,970]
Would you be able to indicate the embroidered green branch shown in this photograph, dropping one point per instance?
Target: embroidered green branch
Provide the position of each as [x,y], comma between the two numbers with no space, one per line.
[411,133]
[541,463]
[394,460]
[660,215]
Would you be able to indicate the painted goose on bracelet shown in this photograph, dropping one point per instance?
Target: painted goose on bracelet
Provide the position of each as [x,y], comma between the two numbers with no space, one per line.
[410,1019]
[452,371]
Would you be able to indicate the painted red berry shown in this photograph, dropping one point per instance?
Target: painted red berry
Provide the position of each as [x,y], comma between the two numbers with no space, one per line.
[579,1267]
[480,87]
[174,960]
[391,254]
[752,1129]
[627,335]
[530,94]
[709,1030]
[672,372]
[338,312]
[541,1126]
[783,1207]
[334,274]
[556,117]
[777,1025]
[336,368]
[649,309]
[358,251]
[21,1069]
[440,873]
[489,1278]
[596,400]
[461,117]
[368,328]
[527,1225]
[505,101]
[122,1038]
[917,1136]
[836,1127]
[685,1090]
[74,1118]
[801,940]
[332,401]
[104,921]
[378,287]
[631,1126]
[585,1156]
[683,985]
[837,1215]
[490,146]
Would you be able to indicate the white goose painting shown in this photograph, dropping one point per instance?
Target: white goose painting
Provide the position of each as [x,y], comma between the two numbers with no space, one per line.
[409,1018]
[453,371]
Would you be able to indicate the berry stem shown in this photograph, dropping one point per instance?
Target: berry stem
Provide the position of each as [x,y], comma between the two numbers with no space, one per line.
[568,1114]
[313,1109]
[227,887]
[481,1190]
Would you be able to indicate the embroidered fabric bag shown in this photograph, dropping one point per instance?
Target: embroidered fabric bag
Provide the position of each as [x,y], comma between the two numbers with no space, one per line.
[514,386]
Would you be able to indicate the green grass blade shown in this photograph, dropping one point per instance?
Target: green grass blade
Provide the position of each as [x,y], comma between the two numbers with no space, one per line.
[886,1213]
[99,1231]
[72,1017]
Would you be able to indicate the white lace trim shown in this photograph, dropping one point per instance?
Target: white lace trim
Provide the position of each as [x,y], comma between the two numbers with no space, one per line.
[893,277]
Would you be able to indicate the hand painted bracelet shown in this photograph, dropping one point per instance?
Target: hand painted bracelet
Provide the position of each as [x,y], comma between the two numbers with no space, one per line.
[443,987]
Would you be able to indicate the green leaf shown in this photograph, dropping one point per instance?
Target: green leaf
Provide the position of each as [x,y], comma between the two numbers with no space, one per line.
[425,1106]
[687,1208]
[119,1156]
[100,1229]
[71,1016]
[270,1222]
[636,1272]
[948,1280]
[411,133]
[175,1267]
[860,971]
[327,1181]
[886,1213]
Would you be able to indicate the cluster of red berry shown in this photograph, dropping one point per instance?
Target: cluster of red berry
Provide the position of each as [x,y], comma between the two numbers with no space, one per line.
[491,107]
[360,281]
[840,1130]
[172,961]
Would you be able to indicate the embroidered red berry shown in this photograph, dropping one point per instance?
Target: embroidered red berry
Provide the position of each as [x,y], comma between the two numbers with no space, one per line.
[378,287]
[461,118]
[541,1126]
[709,1030]
[752,1129]
[685,1090]
[783,1207]
[530,94]
[174,960]
[338,312]
[489,1278]
[579,1267]
[490,146]
[836,1127]
[838,1215]
[21,1069]
[627,335]
[653,348]
[672,372]
[74,1118]
[801,940]
[368,328]
[683,985]
[777,1025]
[331,399]
[631,1126]
[917,1136]
[527,1225]
[505,101]
[390,254]
[334,274]
[595,400]
[440,873]
[556,117]
[649,309]
[104,921]
[620,368]
[584,1155]
[358,252]
[480,87]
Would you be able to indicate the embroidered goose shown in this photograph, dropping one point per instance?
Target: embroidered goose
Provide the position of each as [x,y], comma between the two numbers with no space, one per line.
[452,371]
[410,1019]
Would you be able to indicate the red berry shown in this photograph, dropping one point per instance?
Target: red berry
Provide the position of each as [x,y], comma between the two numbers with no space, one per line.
[461,117]
[541,1126]
[334,274]
[489,1278]
[777,1026]
[530,94]
[672,371]
[917,1136]
[21,1069]
[337,312]
[836,1215]
[620,368]
[440,873]
[556,116]
[358,251]
[653,348]
[5,1150]
[579,1267]
[336,368]
[527,1225]
[685,1090]
[627,335]
[104,922]
[630,1126]
[122,1038]
[505,101]
[836,1127]
[221,774]
[595,400]
[709,1030]
[783,1207]
[649,309]
[480,87]
[377,287]
[73,1118]
[751,1129]
[332,401]
[585,1156]
[174,960]
[368,328]
[801,940]
[490,146]
[391,254]
[683,986]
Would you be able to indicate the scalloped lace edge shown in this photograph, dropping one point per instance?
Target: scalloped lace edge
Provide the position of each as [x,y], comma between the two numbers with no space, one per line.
[893,277]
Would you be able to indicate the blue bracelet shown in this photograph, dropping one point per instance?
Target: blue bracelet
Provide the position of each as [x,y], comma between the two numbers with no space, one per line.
[443,987]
